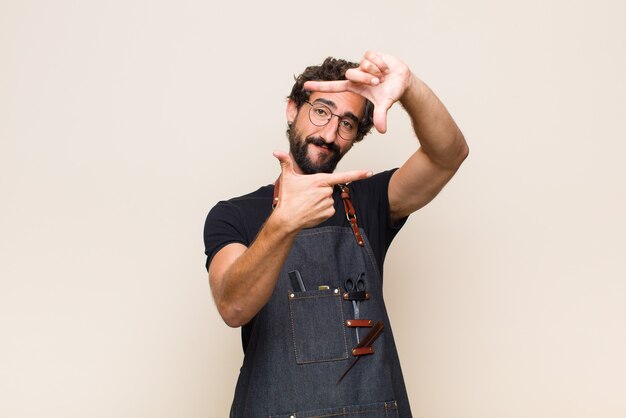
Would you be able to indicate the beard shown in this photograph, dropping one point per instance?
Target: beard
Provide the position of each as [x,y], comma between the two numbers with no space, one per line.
[300,151]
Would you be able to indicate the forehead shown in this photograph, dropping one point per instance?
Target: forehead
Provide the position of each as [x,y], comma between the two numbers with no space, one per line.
[341,103]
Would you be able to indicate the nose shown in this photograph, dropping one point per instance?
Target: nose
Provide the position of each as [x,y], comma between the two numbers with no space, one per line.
[330,130]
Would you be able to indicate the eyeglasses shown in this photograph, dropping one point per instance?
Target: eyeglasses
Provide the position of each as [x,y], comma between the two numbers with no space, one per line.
[320,115]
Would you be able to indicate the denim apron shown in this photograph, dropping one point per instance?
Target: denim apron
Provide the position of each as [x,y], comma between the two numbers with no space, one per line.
[300,344]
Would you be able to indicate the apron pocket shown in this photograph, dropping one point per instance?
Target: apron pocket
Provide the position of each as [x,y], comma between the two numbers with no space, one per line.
[388,409]
[317,326]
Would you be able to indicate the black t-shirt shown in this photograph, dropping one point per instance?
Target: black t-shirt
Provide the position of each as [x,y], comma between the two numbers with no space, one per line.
[240,219]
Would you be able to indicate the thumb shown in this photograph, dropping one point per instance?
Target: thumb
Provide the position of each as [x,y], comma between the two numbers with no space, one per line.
[285,162]
[380,118]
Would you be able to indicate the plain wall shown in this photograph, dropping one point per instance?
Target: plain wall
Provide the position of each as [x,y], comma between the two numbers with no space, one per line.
[123,122]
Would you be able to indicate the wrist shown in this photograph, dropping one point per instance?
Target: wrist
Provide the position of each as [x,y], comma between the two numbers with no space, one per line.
[415,95]
[412,90]
[282,224]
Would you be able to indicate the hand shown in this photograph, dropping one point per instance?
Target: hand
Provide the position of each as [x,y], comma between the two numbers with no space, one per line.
[380,78]
[305,201]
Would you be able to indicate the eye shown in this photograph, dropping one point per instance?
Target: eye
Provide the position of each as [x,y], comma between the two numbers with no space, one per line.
[322,112]
[347,125]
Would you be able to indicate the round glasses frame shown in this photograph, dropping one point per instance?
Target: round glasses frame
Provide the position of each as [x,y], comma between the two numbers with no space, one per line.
[320,115]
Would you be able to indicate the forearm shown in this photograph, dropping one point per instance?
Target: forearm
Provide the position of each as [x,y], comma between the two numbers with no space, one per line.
[441,152]
[439,136]
[248,282]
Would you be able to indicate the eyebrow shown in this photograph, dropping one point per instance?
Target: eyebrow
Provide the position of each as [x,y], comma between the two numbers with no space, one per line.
[332,104]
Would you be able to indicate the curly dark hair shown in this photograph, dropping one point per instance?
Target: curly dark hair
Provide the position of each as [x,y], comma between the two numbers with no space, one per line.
[332,69]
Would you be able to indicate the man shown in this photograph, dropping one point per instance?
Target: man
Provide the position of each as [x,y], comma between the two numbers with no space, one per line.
[298,264]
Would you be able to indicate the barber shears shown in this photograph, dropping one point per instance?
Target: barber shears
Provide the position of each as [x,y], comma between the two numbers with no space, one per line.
[355,292]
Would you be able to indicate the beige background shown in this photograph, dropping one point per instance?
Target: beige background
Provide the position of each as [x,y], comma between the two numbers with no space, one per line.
[123,122]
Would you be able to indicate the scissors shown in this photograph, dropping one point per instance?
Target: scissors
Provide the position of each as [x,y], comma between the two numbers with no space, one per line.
[351,286]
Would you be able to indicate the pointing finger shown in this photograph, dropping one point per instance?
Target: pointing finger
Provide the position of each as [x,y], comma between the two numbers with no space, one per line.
[327,86]
[346,177]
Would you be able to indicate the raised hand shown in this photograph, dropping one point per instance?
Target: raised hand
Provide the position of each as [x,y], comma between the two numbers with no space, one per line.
[306,200]
[380,78]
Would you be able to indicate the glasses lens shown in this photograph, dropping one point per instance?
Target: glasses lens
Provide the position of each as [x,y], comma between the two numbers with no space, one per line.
[319,114]
[347,129]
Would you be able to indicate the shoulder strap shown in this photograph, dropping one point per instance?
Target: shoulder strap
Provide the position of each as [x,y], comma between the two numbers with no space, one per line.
[350,214]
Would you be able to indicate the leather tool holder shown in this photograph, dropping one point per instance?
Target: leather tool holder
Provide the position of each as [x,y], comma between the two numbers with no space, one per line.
[357,295]
[365,346]
[361,323]
[362,351]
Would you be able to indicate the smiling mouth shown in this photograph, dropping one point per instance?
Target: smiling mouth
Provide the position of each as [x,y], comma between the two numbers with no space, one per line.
[326,147]
[330,148]
[323,151]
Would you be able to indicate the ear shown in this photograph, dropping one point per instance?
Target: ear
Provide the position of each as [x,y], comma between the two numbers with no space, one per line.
[291,111]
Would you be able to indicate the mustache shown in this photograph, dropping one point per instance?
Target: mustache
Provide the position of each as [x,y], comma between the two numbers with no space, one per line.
[321,143]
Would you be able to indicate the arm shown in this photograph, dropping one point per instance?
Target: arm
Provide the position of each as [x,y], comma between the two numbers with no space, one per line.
[385,80]
[443,149]
[243,278]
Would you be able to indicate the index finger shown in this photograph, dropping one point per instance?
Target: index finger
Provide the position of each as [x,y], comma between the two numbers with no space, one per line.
[327,86]
[346,177]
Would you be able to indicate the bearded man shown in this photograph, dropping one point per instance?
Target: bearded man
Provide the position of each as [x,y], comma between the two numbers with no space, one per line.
[298,264]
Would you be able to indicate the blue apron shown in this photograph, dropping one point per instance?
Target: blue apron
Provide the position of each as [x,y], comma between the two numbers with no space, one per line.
[300,343]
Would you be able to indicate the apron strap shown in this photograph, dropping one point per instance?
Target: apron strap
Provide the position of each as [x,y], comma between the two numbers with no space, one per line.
[347,204]
[350,214]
